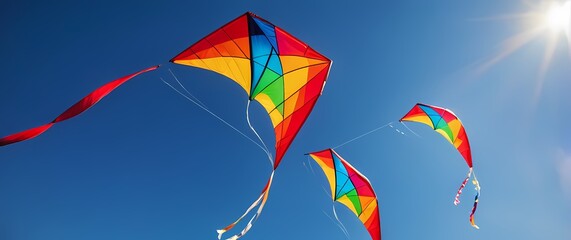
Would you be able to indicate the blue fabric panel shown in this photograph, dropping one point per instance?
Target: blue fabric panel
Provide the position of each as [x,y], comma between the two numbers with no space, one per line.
[343,184]
[434,116]
[275,64]
[268,30]
[261,50]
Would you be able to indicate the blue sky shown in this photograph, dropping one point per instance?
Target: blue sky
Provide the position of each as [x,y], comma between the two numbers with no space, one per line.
[146,164]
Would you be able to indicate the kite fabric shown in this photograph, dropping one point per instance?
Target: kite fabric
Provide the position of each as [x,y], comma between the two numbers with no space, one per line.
[448,125]
[79,107]
[282,73]
[276,69]
[351,188]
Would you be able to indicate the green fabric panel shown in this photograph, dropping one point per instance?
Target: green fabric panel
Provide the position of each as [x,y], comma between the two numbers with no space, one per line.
[444,127]
[352,195]
[272,87]
[268,76]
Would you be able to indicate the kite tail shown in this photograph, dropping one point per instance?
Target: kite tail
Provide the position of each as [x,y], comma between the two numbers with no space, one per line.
[79,107]
[260,202]
[457,198]
[477,187]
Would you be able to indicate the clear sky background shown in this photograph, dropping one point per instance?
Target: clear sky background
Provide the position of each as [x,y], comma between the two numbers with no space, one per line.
[146,164]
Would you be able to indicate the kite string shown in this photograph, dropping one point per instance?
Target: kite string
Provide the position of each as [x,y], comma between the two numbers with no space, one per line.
[186,90]
[267,151]
[363,135]
[343,228]
[211,113]
[257,135]
[409,129]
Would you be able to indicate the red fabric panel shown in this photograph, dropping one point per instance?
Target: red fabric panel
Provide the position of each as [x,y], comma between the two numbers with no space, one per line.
[288,44]
[416,110]
[74,110]
[360,182]
[310,53]
[206,51]
[448,116]
[312,91]
[235,29]
[297,120]
[374,225]
[218,37]
[238,32]
[325,156]
[464,148]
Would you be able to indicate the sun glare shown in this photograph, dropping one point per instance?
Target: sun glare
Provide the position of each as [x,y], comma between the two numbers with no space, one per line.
[548,19]
[557,17]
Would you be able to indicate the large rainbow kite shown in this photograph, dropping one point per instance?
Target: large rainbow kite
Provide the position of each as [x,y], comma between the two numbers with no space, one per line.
[282,73]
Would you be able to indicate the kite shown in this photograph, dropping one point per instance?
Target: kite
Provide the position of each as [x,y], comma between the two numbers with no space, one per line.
[351,188]
[282,73]
[448,125]
[79,107]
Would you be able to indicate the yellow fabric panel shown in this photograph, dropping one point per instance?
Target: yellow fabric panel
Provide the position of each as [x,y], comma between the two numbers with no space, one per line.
[276,117]
[443,133]
[329,172]
[457,142]
[420,118]
[194,63]
[268,104]
[290,63]
[455,126]
[293,81]
[366,200]
[237,69]
[241,69]
[367,212]
[266,101]
[347,202]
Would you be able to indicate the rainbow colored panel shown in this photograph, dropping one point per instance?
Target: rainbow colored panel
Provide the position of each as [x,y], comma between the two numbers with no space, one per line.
[276,69]
[444,122]
[351,188]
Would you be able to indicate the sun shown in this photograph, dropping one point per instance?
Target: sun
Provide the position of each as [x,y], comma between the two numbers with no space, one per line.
[558,17]
[550,20]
